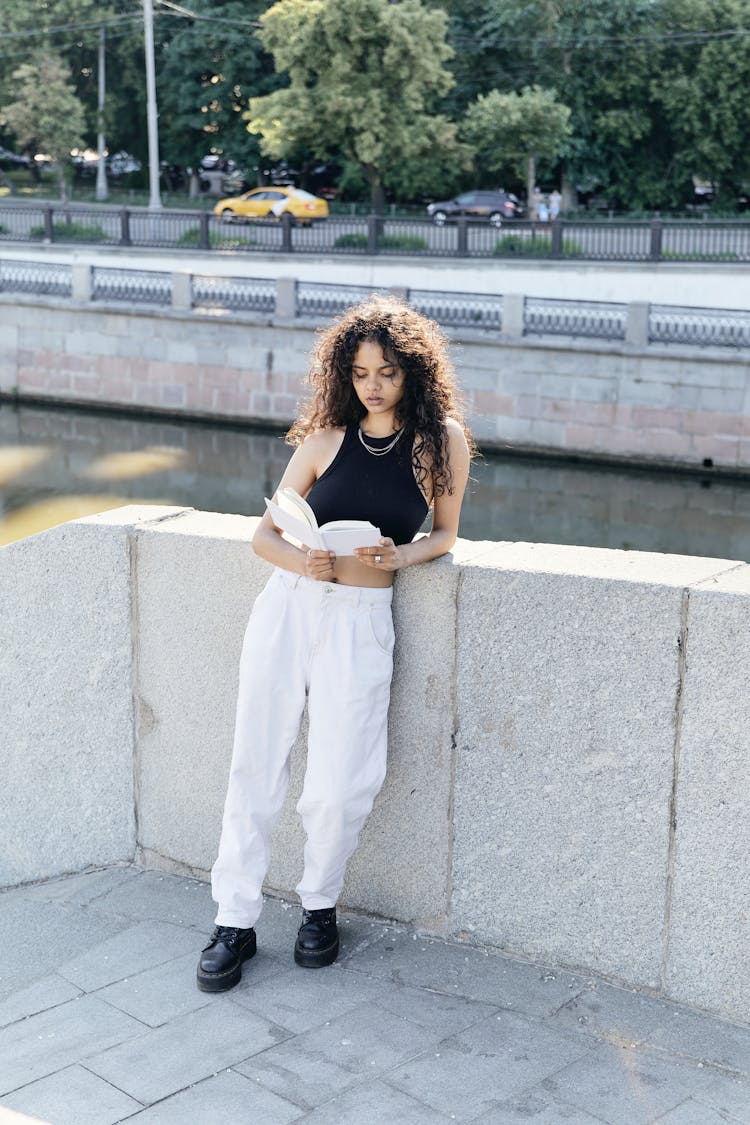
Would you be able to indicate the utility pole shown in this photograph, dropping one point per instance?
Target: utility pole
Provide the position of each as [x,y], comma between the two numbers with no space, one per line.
[151,110]
[102,191]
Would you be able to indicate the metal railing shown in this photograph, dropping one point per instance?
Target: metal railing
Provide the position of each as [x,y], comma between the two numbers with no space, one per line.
[600,319]
[582,239]
[511,316]
[669,324]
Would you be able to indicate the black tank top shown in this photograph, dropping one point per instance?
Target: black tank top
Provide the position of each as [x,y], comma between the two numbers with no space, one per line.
[360,486]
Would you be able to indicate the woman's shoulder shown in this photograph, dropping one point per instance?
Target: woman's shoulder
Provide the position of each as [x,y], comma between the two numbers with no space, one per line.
[325,438]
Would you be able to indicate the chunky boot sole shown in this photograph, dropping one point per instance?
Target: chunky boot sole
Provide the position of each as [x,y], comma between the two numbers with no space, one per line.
[316,958]
[220,982]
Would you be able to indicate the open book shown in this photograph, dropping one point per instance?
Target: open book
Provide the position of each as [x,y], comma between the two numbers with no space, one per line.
[294,516]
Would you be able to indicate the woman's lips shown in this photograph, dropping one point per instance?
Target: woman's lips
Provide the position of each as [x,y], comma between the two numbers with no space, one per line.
[374,401]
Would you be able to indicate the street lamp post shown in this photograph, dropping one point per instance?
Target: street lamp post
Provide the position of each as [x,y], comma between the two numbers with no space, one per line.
[101,168]
[151,110]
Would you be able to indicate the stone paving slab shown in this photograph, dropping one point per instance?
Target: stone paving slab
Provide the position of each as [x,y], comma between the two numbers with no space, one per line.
[101,1023]
[188,1048]
[311,1068]
[222,1099]
[408,958]
[47,1042]
[73,1096]
[496,1058]
[626,1087]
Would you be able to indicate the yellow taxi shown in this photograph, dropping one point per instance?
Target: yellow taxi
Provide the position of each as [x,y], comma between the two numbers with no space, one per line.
[272,203]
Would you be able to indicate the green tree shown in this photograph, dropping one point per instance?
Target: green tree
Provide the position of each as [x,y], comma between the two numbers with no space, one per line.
[604,58]
[364,79]
[517,130]
[705,99]
[46,115]
[208,72]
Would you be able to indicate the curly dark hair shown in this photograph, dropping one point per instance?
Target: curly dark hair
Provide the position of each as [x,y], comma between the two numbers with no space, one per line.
[420,349]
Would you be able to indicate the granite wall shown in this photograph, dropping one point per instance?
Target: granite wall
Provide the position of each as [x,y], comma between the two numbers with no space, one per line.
[569,746]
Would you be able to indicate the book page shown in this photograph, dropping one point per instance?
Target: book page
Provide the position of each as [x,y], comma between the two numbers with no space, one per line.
[295,527]
[343,540]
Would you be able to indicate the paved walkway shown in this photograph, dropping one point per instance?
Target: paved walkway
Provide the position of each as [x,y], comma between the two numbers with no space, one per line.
[101,1022]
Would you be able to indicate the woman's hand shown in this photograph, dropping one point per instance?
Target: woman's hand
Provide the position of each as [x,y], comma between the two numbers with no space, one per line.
[319,565]
[385,557]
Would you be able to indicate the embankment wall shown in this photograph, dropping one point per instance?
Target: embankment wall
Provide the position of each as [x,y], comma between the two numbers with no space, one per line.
[569,746]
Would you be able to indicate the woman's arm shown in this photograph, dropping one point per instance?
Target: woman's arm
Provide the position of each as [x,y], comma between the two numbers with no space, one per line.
[446,512]
[300,474]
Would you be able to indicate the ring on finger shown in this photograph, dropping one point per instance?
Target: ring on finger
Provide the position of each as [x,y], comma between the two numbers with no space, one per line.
[378,558]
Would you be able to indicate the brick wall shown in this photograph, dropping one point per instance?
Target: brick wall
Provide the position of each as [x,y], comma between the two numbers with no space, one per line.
[671,404]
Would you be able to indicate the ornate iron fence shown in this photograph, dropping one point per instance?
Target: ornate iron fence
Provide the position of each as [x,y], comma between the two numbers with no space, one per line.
[254,294]
[668,324]
[320,299]
[460,310]
[584,239]
[601,319]
[48,278]
[542,316]
[140,286]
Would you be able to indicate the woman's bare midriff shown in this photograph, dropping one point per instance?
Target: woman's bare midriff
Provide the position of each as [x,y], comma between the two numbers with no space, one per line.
[349,571]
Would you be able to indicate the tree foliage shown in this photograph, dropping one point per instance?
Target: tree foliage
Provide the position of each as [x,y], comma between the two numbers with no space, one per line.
[364,77]
[46,115]
[517,129]
[208,72]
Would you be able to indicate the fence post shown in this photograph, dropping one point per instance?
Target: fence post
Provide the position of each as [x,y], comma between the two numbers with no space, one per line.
[286,298]
[655,251]
[124,227]
[513,314]
[557,238]
[373,227]
[204,240]
[636,323]
[49,230]
[400,291]
[463,236]
[182,291]
[81,276]
[286,233]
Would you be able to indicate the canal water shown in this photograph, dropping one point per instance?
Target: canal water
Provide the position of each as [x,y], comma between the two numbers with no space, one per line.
[58,464]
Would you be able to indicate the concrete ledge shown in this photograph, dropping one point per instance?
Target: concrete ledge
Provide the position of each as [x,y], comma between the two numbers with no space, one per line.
[568,738]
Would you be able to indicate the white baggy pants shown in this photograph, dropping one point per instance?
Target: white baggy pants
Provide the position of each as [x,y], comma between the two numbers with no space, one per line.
[334,645]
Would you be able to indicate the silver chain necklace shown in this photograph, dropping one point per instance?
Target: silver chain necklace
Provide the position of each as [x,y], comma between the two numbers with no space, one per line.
[379,452]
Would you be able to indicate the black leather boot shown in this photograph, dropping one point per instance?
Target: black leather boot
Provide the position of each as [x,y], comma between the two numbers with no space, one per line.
[220,966]
[318,939]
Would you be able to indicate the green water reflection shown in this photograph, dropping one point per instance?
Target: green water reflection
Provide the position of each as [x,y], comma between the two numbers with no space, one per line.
[58,464]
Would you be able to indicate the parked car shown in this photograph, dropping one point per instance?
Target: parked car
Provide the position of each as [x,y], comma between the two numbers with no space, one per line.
[495,206]
[272,203]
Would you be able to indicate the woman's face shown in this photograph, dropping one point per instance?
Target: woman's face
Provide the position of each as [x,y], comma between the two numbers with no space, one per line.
[378,383]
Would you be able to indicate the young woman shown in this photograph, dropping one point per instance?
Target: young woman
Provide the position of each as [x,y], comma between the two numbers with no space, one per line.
[382,439]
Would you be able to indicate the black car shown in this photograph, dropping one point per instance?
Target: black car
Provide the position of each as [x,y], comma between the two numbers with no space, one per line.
[495,206]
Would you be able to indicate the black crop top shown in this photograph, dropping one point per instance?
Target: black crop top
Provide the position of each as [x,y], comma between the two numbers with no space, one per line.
[360,486]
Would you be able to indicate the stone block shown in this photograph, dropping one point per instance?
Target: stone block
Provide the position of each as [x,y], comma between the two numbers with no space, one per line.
[65,662]
[708,962]
[196,579]
[563,783]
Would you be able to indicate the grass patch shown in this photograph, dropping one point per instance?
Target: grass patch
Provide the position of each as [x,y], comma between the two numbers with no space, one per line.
[70,232]
[401,242]
[697,256]
[409,242]
[516,246]
[351,242]
[192,236]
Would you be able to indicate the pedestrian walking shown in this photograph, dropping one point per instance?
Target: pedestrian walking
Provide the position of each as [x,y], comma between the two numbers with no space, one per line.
[555,202]
[381,439]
